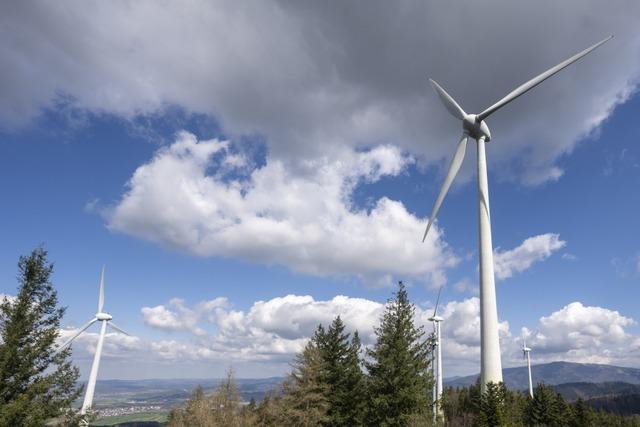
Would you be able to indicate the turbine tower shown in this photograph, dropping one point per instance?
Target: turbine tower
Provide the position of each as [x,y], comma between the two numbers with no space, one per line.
[437,366]
[525,353]
[105,318]
[474,126]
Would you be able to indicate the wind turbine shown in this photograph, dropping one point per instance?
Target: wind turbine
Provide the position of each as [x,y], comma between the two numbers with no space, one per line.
[474,126]
[525,353]
[105,318]
[437,366]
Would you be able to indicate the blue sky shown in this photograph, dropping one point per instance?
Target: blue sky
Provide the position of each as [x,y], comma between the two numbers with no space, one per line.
[236,185]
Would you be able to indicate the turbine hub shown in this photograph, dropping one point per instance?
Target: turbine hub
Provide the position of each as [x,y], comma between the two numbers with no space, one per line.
[475,129]
[103,316]
[436,319]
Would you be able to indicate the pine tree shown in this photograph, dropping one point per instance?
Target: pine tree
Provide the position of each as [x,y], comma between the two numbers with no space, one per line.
[398,366]
[36,383]
[342,374]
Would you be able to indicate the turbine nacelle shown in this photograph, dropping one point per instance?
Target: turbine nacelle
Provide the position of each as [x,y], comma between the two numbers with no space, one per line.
[103,316]
[475,128]
[436,319]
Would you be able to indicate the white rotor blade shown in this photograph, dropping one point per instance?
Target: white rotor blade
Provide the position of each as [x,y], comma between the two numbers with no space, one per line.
[435,310]
[536,81]
[454,167]
[67,342]
[101,292]
[448,101]
[117,329]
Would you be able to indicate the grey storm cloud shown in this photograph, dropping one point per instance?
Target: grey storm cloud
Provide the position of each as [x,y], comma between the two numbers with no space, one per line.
[314,76]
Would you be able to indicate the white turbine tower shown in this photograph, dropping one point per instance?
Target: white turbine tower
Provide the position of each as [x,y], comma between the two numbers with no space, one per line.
[105,318]
[525,353]
[437,366]
[474,126]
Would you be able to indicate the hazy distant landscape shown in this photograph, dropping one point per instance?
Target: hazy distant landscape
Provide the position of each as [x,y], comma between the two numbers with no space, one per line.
[151,400]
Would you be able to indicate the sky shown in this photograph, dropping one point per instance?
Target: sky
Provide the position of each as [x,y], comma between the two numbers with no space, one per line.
[247,171]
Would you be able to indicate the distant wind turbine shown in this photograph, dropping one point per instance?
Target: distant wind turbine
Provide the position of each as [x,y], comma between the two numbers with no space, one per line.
[437,366]
[474,126]
[525,353]
[105,318]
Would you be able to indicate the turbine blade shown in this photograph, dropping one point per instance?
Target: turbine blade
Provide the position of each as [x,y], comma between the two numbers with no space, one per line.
[448,101]
[536,81]
[101,292]
[86,325]
[435,310]
[117,329]
[454,167]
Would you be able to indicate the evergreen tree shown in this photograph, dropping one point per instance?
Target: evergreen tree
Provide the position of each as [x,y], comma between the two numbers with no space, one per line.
[492,406]
[305,400]
[581,415]
[36,383]
[547,408]
[342,374]
[398,366]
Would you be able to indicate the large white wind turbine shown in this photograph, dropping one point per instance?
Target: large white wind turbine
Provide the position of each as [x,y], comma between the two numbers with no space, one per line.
[437,365]
[105,318]
[525,353]
[474,126]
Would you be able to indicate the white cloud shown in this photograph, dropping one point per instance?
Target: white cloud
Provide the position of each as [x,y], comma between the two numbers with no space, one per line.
[116,345]
[576,326]
[273,329]
[270,332]
[305,220]
[178,317]
[585,334]
[533,249]
[315,77]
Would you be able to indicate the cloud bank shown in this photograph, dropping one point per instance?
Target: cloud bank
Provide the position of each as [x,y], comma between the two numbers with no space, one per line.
[190,196]
[313,77]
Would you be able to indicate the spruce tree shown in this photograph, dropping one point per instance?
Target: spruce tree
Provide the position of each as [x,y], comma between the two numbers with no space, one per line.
[398,366]
[342,374]
[36,383]
[305,400]
[581,415]
[492,406]
[547,408]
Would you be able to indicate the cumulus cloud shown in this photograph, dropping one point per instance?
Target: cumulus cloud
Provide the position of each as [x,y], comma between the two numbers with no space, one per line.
[583,334]
[534,249]
[188,197]
[178,317]
[313,77]
[270,332]
[274,330]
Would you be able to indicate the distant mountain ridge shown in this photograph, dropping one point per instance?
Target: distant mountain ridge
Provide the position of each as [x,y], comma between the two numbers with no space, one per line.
[555,373]
[585,391]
